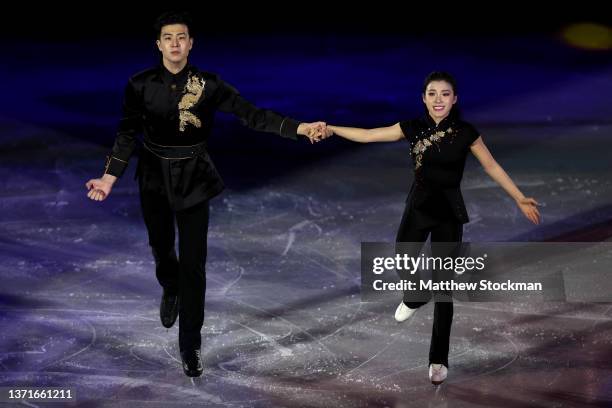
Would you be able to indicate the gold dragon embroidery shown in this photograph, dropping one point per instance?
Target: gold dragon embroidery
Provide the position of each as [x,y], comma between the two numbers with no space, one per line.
[193,92]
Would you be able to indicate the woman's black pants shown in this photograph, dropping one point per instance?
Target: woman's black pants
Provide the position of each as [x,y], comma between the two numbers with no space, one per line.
[445,232]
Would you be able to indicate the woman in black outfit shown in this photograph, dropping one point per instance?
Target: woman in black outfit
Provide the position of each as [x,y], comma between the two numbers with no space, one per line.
[439,144]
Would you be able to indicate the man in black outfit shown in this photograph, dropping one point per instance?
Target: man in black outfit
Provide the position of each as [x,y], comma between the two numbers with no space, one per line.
[173,105]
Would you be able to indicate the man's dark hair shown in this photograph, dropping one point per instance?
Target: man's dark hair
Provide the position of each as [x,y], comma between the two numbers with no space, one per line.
[173,17]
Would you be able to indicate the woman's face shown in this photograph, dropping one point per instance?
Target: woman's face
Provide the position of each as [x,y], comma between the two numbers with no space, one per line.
[439,98]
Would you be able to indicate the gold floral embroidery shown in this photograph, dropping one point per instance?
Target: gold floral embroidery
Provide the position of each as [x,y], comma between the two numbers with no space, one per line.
[421,146]
[193,92]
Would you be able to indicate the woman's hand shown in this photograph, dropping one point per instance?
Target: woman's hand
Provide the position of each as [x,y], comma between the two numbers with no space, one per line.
[529,207]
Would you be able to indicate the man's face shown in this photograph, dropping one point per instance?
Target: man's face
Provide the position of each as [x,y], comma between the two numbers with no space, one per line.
[175,43]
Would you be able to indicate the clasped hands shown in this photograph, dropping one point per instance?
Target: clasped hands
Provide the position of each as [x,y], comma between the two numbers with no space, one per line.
[315,131]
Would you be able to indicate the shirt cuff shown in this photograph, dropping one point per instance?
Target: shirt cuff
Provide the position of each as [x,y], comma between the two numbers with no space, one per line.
[114,166]
[289,127]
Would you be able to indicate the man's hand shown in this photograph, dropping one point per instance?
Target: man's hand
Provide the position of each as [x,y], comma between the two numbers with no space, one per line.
[100,188]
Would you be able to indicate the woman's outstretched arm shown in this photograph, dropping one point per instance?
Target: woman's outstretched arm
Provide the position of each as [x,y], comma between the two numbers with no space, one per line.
[527,204]
[382,134]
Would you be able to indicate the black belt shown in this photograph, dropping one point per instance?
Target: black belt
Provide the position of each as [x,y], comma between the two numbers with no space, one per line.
[175,152]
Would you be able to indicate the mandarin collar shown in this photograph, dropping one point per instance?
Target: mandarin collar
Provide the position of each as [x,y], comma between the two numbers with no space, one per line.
[180,76]
[432,123]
